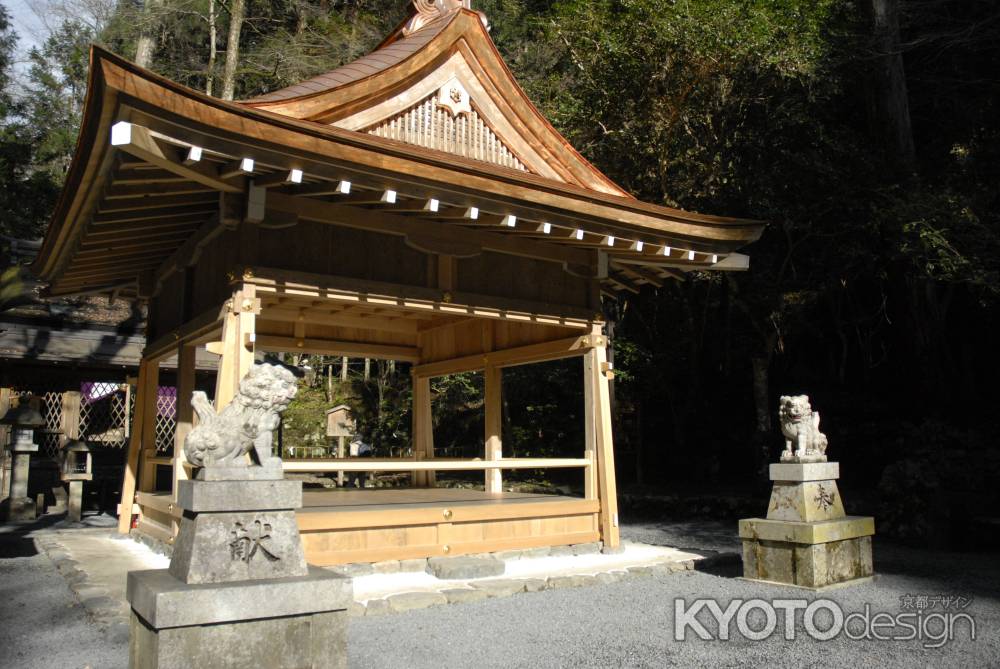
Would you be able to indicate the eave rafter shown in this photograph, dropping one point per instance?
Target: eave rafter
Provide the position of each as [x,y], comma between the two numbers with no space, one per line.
[173,210]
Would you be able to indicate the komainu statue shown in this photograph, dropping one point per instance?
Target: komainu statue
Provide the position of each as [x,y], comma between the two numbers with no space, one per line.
[800,425]
[245,424]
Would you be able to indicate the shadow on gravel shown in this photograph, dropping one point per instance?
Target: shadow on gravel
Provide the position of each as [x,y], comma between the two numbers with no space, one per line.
[15,541]
[726,565]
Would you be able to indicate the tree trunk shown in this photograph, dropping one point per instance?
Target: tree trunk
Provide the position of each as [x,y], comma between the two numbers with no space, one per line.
[146,43]
[237,12]
[762,407]
[213,49]
[891,100]
[329,383]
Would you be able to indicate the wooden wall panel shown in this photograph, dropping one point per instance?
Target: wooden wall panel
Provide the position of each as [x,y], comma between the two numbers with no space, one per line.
[369,544]
[211,282]
[493,273]
[329,249]
[166,310]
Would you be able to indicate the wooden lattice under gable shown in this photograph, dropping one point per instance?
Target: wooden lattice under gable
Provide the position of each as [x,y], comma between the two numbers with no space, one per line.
[430,125]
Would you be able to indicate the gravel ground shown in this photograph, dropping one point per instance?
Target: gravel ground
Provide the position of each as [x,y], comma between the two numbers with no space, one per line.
[627,624]
[42,624]
[630,624]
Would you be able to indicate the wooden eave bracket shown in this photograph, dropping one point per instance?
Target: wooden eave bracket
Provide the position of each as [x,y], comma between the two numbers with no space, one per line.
[138,141]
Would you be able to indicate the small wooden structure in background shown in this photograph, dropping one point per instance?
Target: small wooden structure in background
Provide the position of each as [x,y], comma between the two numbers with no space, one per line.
[413,206]
[340,426]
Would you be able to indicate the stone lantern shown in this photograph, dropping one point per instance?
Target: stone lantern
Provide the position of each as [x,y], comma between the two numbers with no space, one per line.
[23,420]
[77,467]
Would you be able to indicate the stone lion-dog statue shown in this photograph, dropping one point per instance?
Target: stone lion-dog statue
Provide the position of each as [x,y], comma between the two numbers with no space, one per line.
[245,424]
[800,425]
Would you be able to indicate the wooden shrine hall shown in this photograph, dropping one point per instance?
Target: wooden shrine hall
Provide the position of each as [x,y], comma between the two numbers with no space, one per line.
[412,205]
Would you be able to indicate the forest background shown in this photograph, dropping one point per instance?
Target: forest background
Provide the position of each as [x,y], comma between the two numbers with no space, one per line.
[866,133]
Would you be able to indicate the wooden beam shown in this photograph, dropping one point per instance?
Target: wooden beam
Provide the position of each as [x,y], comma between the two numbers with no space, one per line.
[181,209]
[415,298]
[351,349]
[115,229]
[118,191]
[340,214]
[159,202]
[110,249]
[325,188]
[290,315]
[292,177]
[622,282]
[139,178]
[178,234]
[138,141]
[510,357]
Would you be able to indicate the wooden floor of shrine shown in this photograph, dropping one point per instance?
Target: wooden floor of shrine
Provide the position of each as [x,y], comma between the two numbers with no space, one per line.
[366,525]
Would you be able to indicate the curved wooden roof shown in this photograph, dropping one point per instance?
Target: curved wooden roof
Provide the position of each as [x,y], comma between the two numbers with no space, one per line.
[131,204]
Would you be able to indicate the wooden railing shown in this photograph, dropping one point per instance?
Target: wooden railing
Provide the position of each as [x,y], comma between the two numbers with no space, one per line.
[433,464]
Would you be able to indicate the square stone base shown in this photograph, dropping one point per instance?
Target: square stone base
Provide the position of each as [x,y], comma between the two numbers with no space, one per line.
[808,565]
[18,509]
[290,623]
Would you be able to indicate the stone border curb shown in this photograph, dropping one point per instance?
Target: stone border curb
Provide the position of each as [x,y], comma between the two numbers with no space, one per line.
[475,591]
[107,613]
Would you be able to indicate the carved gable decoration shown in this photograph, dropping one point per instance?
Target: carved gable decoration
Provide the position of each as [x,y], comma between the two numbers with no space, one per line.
[442,122]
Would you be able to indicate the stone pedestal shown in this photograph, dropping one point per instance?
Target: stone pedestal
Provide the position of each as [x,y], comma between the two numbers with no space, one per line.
[74,507]
[238,592]
[806,539]
[18,506]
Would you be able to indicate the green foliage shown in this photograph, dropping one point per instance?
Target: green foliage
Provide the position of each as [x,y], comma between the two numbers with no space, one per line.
[382,411]
[458,414]
[304,422]
[28,191]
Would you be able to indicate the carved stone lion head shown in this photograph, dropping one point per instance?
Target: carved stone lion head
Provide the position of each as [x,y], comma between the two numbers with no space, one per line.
[269,387]
[794,408]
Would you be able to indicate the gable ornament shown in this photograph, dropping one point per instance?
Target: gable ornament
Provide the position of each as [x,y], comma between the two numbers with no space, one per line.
[453,97]
[429,10]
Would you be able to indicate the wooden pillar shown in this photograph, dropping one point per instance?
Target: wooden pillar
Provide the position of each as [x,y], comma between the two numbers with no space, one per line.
[185,412]
[237,348]
[134,446]
[589,425]
[604,442]
[423,430]
[343,369]
[494,445]
[147,427]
